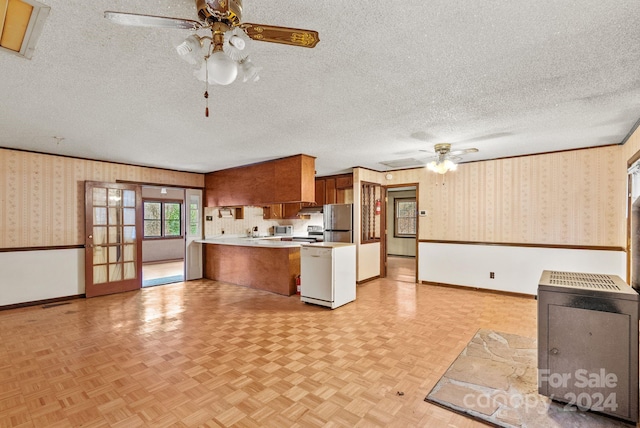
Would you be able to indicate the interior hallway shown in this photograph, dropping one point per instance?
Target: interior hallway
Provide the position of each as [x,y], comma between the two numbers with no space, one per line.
[401,268]
[214,354]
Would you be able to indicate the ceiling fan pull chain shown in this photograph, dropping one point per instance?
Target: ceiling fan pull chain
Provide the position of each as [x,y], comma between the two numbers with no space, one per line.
[206,87]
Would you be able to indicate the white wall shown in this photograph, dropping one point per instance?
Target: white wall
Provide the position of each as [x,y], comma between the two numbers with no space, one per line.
[154,250]
[368,261]
[28,276]
[517,269]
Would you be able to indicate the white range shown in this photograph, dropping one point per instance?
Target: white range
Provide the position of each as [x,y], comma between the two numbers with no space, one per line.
[328,273]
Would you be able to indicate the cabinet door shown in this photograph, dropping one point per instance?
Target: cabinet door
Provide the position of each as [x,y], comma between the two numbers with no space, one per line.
[344,182]
[330,191]
[272,212]
[291,210]
[320,191]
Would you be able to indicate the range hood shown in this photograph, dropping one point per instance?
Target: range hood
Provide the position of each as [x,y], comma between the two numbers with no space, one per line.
[317,209]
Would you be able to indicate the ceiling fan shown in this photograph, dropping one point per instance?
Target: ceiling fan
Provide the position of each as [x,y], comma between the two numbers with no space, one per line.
[222,54]
[443,161]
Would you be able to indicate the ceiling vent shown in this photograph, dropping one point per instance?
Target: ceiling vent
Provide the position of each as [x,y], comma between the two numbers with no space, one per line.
[405,163]
[21,23]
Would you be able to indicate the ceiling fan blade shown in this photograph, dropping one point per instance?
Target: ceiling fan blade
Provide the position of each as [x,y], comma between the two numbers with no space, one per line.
[284,35]
[463,151]
[139,20]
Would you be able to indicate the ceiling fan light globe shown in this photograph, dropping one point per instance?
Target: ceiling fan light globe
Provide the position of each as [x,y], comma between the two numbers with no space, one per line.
[222,69]
[189,50]
[237,42]
[441,167]
[250,72]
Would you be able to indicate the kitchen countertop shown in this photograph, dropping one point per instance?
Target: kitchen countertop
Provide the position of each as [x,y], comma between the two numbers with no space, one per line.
[328,244]
[263,241]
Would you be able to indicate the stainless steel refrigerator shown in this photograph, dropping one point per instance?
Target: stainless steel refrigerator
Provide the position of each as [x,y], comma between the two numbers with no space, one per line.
[338,222]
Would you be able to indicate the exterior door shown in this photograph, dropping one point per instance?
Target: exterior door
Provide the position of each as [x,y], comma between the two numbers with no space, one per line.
[193,232]
[113,238]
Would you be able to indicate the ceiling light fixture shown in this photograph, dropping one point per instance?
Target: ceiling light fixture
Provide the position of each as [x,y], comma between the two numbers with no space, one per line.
[220,57]
[443,163]
[442,166]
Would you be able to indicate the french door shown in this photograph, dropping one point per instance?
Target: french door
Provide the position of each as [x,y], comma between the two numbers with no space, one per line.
[113,238]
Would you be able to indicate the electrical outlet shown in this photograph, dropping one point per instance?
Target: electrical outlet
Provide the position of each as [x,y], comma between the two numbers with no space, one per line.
[492,275]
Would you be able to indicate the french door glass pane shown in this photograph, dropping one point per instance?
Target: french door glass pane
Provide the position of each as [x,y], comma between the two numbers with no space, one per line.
[115,254]
[114,216]
[130,253]
[129,270]
[129,234]
[99,215]
[99,196]
[129,216]
[115,272]
[99,235]
[99,255]
[129,198]
[115,235]
[115,197]
[99,274]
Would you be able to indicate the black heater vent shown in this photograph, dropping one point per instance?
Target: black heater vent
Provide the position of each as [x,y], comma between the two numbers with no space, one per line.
[584,280]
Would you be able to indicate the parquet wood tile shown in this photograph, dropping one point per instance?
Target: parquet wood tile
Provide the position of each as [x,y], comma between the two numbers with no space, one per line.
[210,354]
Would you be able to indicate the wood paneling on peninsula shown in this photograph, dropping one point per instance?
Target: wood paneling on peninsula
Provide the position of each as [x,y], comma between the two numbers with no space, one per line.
[269,269]
[283,180]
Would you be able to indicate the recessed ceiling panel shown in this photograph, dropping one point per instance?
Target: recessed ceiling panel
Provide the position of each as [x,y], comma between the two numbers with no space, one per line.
[20,25]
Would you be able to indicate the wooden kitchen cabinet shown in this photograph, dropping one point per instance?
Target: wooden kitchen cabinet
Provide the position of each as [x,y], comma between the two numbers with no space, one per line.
[279,181]
[272,212]
[344,182]
[291,210]
[320,182]
[282,211]
[330,191]
[336,189]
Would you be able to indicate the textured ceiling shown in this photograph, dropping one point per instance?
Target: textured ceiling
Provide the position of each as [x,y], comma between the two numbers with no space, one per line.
[387,79]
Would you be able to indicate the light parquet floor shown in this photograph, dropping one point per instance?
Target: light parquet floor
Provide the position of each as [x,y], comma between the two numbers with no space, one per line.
[204,353]
[401,268]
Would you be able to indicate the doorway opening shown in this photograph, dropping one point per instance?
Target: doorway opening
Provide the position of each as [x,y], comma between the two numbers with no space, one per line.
[163,248]
[402,233]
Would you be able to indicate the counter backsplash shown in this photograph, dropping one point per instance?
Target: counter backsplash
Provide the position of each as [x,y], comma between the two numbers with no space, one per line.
[252,217]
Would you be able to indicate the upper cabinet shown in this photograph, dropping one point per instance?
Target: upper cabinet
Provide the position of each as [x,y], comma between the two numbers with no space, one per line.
[283,180]
[335,189]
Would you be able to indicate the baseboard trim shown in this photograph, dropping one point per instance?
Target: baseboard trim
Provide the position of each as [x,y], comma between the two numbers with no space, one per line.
[486,290]
[159,262]
[368,280]
[41,302]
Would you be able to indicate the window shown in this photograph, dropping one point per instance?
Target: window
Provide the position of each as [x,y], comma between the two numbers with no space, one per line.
[162,219]
[194,218]
[405,218]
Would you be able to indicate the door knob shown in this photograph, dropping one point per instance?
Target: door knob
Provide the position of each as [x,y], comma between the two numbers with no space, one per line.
[554,351]
[90,236]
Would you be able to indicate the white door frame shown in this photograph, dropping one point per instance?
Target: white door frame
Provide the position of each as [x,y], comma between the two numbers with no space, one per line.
[193,264]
